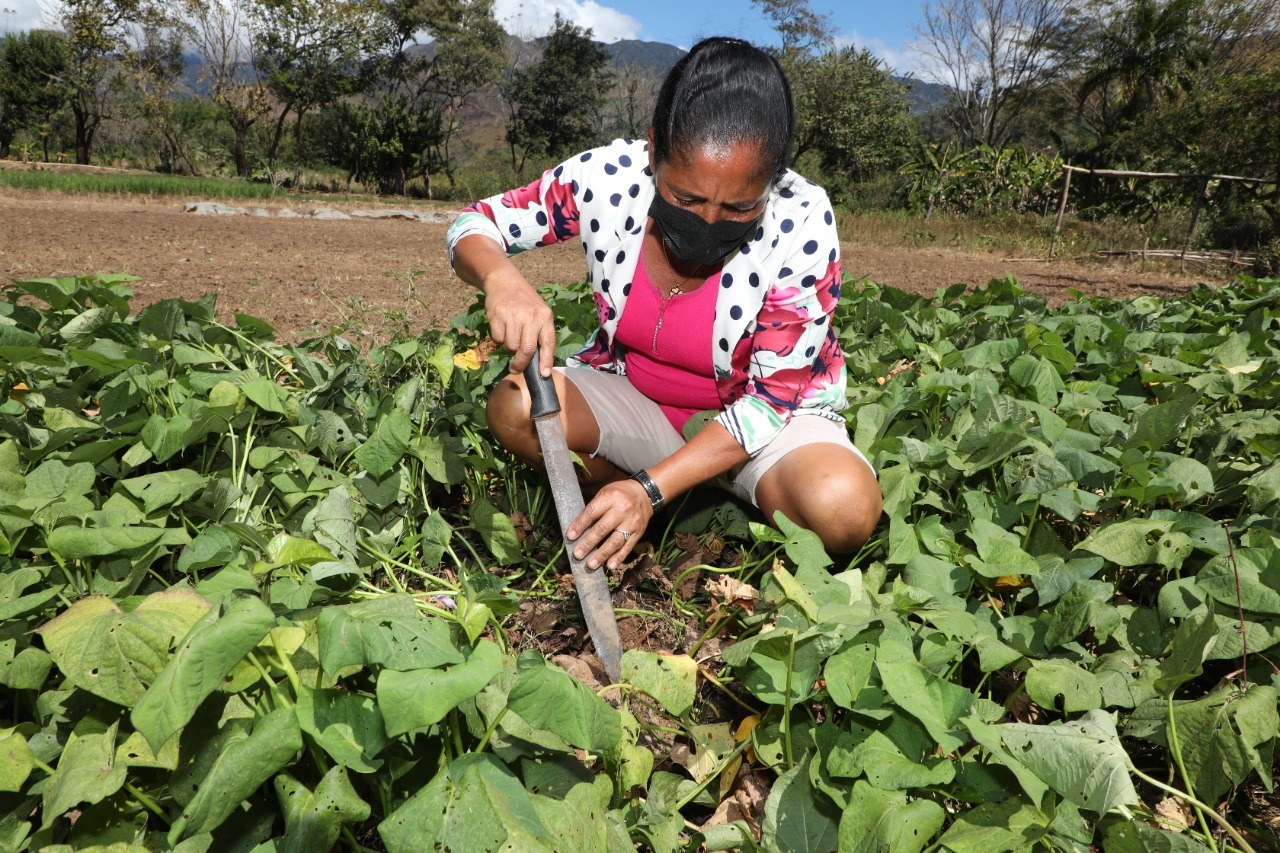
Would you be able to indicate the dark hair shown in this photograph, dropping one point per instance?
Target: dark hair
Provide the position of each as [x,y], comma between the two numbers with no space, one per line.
[725,90]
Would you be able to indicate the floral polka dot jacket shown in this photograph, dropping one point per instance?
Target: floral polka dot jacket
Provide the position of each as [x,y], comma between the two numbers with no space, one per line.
[773,347]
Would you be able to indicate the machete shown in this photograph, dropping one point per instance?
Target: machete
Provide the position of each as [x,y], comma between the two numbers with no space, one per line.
[592,584]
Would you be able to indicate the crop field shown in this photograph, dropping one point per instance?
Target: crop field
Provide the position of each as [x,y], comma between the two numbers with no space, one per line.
[287,596]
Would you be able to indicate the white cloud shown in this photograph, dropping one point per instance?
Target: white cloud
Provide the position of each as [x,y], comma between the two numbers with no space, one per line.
[534,18]
[902,58]
[21,15]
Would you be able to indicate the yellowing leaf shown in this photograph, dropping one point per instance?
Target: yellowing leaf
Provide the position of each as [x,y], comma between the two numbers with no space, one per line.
[469,360]
[19,391]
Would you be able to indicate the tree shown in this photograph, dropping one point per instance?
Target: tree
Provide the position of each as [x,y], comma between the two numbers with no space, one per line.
[554,103]
[850,113]
[98,42]
[802,30]
[994,57]
[148,74]
[1136,58]
[32,68]
[314,52]
[220,33]
[469,58]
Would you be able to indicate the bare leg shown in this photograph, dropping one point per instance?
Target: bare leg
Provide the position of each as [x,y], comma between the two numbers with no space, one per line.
[827,489]
[509,421]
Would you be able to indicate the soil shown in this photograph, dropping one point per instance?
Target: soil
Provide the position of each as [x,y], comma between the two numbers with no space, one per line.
[373,276]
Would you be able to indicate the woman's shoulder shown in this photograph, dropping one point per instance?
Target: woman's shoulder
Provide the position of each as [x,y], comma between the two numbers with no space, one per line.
[796,193]
[616,157]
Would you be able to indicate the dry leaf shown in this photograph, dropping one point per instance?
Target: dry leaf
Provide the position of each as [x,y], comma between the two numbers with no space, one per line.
[1175,811]
[579,669]
[728,591]
[19,391]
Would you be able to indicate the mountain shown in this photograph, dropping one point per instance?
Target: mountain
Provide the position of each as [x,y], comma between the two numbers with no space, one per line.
[645,58]
[649,57]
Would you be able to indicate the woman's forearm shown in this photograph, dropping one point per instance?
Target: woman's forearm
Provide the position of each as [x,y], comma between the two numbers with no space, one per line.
[479,260]
[710,453]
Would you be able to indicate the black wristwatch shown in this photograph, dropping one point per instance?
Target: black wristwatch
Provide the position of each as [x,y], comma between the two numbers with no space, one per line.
[651,488]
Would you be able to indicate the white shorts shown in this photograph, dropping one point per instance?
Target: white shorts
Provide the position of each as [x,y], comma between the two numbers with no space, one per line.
[635,434]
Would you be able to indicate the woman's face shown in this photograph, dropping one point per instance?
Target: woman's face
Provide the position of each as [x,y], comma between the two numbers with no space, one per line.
[717,182]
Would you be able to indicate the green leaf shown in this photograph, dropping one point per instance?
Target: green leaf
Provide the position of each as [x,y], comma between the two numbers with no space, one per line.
[999,552]
[314,820]
[164,488]
[215,644]
[876,821]
[1226,736]
[53,480]
[936,703]
[1074,612]
[422,697]
[79,543]
[346,724]
[1191,644]
[889,769]
[1138,837]
[1047,680]
[334,523]
[803,546]
[796,817]
[1082,760]
[214,546]
[1259,580]
[116,654]
[1127,543]
[989,737]
[16,760]
[87,772]
[547,697]
[1004,827]
[1161,423]
[243,763]
[387,631]
[286,550]
[476,807]
[670,679]
[497,532]
[266,395]
[387,444]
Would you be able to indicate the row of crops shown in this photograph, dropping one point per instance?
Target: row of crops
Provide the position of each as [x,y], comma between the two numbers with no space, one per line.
[267,596]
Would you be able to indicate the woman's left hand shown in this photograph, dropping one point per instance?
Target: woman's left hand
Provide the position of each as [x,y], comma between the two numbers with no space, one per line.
[608,527]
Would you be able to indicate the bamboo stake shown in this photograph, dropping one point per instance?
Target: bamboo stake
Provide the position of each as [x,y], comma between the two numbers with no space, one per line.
[1062,208]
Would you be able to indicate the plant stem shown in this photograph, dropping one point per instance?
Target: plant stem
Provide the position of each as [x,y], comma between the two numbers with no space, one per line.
[786,719]
[493,727]
[715,774]
[1182,795]
[147,802]
[1186,779]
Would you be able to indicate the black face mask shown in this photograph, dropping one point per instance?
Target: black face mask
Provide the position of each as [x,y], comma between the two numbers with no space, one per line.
[691,238]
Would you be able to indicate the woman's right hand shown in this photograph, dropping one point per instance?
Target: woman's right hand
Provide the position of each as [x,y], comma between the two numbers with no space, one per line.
[520,321]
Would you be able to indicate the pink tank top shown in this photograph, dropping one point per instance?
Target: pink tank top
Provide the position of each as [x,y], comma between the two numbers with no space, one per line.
[669,346]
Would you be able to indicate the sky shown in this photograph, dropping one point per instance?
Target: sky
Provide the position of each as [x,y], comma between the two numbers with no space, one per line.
[884,27]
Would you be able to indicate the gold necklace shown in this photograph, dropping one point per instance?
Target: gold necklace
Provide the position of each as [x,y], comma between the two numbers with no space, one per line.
[672,294]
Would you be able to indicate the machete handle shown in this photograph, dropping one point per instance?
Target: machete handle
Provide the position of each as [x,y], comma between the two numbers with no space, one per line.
[542,391]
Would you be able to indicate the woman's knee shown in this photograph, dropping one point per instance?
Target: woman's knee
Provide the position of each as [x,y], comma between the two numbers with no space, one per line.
[846,511]
[840,501]
[507,413]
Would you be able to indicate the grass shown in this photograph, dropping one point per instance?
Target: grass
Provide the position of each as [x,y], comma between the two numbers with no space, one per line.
[1010,235]
[175,185]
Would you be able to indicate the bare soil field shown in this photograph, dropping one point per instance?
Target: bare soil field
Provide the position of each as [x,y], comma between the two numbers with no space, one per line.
[372,276]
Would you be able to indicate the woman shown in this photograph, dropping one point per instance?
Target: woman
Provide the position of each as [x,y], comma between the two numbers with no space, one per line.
[715,271]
